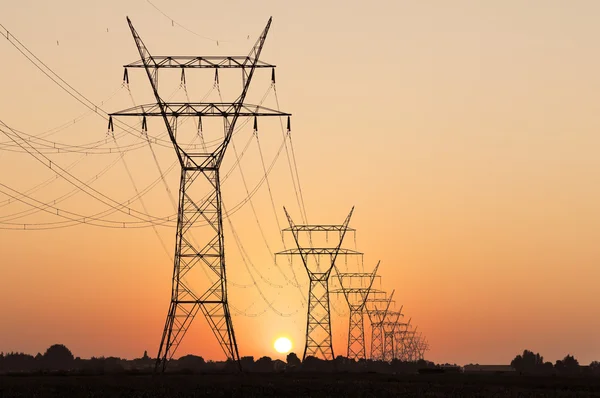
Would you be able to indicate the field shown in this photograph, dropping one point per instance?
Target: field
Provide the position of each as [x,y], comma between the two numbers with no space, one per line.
[307,385]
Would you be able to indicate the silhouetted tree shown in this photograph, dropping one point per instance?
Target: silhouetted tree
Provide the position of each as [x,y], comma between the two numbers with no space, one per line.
[547,368]
[343,364]
[594,368]
[293,360]
[313,364]
[567,366]
[18,362]
[247,363]
[264,364]
[528,362]
[191,362]
[58,357]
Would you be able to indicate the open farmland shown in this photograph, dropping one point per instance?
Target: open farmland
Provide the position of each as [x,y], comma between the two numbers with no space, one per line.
[307,385]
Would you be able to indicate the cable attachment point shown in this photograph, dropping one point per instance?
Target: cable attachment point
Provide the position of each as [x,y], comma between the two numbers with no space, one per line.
[255,124]
[199,123]
[273,75]
[289,125]
[110,125]
[144,124]
[216,76]
[182,77]
[126,77]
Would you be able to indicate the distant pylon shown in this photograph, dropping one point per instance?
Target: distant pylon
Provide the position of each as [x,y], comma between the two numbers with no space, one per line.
[389,326]
[377,310]
[199,195]
[318,323]
[411,348]
[400,340]
[422,346]
[356,288]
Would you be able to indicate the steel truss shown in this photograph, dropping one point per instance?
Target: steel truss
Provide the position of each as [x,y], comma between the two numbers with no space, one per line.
[389,327]
[377,309]
[422,347]
[411,347]
[318,324]
[356,288]
[198,169]
[400,340]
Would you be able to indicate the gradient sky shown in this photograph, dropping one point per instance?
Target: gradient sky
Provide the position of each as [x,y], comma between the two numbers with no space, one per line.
[465,133]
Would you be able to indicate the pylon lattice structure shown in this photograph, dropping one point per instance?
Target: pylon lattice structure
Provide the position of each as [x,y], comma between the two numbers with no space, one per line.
[318,324]
[356,288]
[199,195]
[400,340]
[411,347]
[389,327]
[377,309]
[422,347]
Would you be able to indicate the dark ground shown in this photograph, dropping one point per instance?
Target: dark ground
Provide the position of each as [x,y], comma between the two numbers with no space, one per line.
[298,384]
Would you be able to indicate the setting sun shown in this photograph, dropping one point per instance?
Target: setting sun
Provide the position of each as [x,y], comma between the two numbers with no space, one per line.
[283,345]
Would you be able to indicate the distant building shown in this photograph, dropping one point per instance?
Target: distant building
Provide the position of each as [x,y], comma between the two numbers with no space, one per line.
[451,368]
[488,369]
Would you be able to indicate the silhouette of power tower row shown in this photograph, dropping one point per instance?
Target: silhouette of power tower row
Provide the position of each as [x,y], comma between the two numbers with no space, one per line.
[390,338]
[200,203]
[318,262]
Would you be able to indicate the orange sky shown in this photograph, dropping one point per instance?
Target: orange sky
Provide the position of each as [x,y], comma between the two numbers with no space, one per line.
[464,134]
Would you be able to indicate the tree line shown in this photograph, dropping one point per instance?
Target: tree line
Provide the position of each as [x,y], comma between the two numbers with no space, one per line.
[530,363]
[58,358]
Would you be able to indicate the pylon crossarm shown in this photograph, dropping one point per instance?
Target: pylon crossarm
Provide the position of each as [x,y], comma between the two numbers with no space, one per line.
[225,62]
[319,228]
[176,109]
[321,251]
[391,320]
[376,313]
[362,290]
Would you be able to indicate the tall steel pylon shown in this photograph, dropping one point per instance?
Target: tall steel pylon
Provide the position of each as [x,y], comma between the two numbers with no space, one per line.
[318,323]
[356,288]
[377,309]
[411,348]
[422,347]
[400,340]
[389,326]
[199,174]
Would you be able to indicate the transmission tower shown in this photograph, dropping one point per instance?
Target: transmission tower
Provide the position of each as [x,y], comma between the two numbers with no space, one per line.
[389,326]
[411,348]
[422,347]
[318,324]
[356,288]
[377,309]
[400,340]
[199,194]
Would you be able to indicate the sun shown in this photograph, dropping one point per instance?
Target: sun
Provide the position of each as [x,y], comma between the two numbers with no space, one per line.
[283,345]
